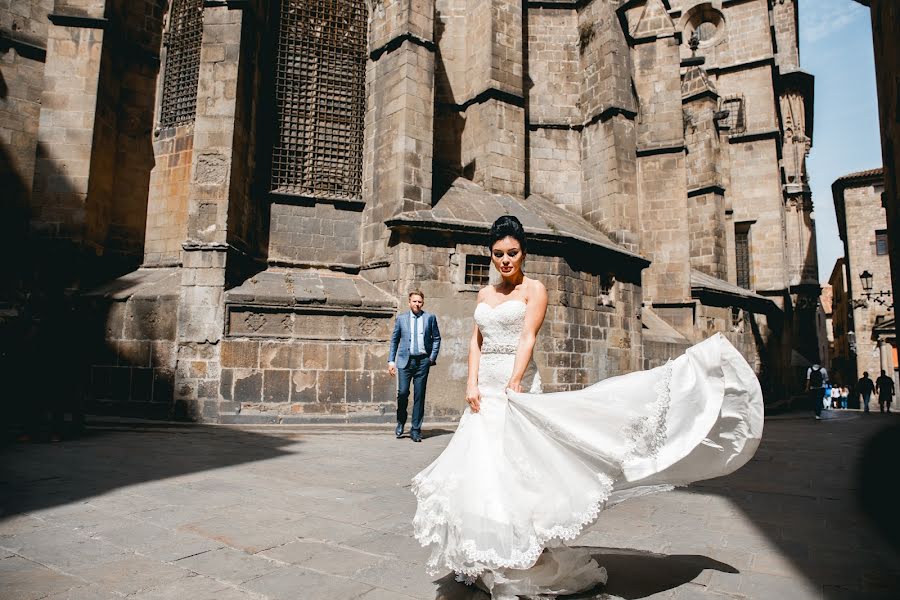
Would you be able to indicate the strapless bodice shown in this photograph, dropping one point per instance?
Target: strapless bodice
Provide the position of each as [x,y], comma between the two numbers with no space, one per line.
[500,326]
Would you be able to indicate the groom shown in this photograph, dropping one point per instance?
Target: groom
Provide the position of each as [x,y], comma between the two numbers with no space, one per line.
[415,344]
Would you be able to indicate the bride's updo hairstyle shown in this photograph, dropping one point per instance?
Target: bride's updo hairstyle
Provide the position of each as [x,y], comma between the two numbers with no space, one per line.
[507,226]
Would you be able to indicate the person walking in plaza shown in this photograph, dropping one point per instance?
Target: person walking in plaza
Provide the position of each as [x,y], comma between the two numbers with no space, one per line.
[816,378]
[884,385]
[865,387]
[835,400]
[845,396]
[415,345]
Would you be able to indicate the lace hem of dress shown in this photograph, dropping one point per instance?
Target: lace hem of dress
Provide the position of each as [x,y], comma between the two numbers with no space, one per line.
[472,561]
[646,434]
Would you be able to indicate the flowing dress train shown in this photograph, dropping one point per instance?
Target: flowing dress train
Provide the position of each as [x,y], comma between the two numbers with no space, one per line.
[530,471]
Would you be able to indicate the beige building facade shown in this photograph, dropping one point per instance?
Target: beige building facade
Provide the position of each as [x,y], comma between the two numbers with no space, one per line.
[885,35]
[862,226]
[240,193]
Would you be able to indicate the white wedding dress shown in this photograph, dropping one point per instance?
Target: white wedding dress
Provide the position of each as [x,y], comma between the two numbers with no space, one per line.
[530,470]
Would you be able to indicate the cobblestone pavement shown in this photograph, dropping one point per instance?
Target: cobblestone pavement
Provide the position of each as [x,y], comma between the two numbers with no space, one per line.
[194,513]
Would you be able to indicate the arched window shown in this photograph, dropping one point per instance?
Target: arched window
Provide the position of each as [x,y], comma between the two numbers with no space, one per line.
[182,64]
[320,98]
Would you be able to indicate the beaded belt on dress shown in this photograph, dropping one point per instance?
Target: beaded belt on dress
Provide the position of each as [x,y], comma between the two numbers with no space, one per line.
[487,348]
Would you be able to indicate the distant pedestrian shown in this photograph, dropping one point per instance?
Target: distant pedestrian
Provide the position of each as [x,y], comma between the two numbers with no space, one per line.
[835,397]
[816,378]
[414,349]
[845,396]
[865,387]
[884,385]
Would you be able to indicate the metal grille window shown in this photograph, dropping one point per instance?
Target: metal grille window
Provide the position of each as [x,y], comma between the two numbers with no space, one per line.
[742,255]
[182,68]
[735,121]
[320,98]
[478,270]
[881,243]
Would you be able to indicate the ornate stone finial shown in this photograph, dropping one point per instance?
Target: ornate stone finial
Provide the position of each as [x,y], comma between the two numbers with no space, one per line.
[694,42]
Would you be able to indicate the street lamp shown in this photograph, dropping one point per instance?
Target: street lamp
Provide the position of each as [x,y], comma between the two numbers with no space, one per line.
[879,296]
[866,279]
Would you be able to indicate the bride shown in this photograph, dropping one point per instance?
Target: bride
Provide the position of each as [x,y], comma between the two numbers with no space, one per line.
[526,471]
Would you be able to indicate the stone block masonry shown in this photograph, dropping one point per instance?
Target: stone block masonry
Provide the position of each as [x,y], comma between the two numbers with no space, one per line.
[23,27]
[201,305]
[399,132]
[320,234]
[283,378]
[168,196]
[131,345]
[62,170]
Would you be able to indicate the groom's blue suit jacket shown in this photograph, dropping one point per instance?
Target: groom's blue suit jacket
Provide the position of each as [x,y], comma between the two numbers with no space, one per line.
[400,339]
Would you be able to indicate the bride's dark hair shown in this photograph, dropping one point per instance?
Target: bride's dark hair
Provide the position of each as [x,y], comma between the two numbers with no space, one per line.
[507,226]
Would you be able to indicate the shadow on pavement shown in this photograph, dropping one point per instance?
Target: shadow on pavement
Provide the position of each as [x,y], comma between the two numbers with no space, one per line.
[39,476]
[628,577]
[430,433]
[629,569]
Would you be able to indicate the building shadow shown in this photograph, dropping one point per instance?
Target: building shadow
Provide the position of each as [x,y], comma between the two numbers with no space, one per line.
[879,488]
[41,476]
[821,495]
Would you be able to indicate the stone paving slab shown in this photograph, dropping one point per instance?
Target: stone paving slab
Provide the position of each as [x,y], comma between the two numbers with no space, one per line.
[222,513]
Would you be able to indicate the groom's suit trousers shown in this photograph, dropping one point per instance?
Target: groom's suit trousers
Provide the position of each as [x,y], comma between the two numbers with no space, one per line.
[416,372]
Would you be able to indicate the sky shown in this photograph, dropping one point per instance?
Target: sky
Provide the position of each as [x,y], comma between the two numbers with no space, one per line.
[836,47]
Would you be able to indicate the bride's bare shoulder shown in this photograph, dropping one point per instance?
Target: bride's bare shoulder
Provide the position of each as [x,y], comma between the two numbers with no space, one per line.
[534,287]
[484,293]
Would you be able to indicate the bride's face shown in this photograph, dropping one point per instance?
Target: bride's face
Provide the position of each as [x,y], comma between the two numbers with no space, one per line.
[507,256]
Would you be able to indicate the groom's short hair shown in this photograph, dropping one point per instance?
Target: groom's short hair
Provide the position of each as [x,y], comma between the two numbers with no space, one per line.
[416,293]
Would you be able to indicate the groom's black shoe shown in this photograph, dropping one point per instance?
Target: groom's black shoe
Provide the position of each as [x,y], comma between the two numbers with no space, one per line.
[399,431]
[415,436]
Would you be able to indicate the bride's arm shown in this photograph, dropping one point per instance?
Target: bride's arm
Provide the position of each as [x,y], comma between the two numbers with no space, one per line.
[473,397]
[534,318]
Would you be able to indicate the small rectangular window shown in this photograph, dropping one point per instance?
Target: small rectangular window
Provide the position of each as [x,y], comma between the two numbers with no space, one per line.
[881,242]
[742,254]
[478,270]
[607,295]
